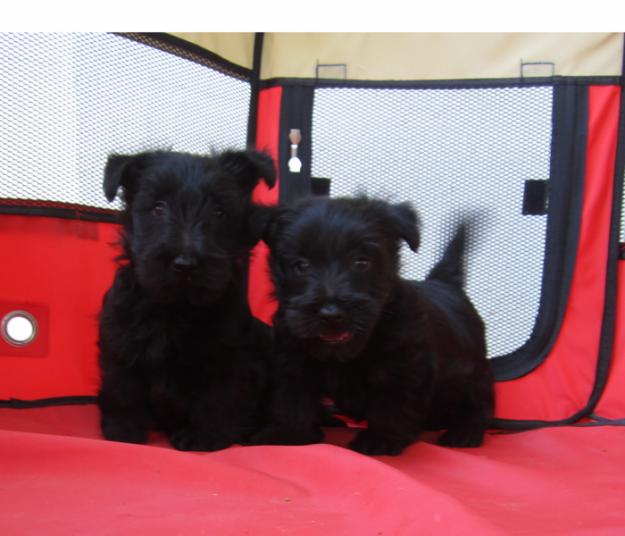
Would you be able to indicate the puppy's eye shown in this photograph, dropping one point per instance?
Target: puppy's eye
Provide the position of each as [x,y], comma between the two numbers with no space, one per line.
[159,209]
[362,264]
[219,212]
[301,266]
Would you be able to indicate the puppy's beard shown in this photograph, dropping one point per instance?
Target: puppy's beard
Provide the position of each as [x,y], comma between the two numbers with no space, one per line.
[340,351]
[163,285]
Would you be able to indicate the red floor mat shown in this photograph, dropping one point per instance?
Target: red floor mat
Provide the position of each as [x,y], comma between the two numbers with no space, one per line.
[58,477]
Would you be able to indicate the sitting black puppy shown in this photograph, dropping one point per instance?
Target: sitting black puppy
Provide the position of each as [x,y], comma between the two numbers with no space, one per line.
[406,356]
[179,349]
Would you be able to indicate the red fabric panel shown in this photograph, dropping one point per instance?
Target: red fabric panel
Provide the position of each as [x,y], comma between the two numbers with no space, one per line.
[267,139]
[59,268]
[612,403]
[59,477]
[562,384]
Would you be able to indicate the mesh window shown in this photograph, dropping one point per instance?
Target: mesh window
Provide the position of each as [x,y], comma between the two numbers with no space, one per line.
[68,100]
[451,152]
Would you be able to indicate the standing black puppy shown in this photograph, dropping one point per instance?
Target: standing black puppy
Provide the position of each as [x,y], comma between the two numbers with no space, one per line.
[403,355]
[179,349]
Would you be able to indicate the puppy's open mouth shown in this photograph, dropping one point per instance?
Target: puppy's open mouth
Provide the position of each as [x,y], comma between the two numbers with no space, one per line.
[336,338]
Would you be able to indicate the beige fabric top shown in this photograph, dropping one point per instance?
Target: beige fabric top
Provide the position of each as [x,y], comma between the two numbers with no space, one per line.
[235,47]
[422,56]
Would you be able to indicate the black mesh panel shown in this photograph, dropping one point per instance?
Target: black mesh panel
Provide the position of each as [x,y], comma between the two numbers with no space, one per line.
[451,152]
[68,100]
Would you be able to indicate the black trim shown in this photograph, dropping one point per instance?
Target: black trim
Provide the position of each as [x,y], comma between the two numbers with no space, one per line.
[602,421]
[568,154]
[252,123]
[14,403]
[189,51]
[49,209]
[442,84]
[295,113]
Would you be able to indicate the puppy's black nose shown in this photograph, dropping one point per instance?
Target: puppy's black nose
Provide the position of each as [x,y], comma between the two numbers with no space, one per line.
[184,264]
[331,314]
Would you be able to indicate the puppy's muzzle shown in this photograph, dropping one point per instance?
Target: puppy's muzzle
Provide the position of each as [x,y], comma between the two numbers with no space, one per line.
[333,325]
[185,264]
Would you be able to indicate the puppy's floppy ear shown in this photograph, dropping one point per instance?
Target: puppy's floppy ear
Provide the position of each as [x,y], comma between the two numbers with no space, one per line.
[122,170]
[274,218]
[248,167]
[406,224]
[257,224]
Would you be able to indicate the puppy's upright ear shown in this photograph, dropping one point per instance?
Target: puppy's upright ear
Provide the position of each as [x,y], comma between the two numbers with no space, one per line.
[122,171]
[405,223]
[248,167]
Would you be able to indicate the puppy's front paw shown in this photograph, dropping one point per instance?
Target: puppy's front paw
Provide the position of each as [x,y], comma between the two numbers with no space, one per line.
[375,444]
[124,430]
[191,440]
[462,437]
[278,435]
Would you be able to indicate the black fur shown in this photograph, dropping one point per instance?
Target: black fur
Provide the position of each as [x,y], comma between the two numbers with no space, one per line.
[179,349]
[405,356]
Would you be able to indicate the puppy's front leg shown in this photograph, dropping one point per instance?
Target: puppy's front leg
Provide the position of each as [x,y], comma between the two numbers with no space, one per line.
[382,437]
[379,439]
[196,436]
[396,418]
[218,418]
[294,409]
[123,406]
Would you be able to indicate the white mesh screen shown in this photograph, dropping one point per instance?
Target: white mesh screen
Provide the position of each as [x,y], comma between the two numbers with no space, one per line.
[451,151]
[68,100]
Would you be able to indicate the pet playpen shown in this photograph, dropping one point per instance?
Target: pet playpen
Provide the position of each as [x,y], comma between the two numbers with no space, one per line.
[523,130]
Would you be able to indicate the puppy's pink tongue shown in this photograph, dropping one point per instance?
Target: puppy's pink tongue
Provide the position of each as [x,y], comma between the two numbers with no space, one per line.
[338,338]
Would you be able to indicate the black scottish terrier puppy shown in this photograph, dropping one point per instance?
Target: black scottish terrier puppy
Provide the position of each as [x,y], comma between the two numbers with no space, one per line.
[404,356]
[179,349]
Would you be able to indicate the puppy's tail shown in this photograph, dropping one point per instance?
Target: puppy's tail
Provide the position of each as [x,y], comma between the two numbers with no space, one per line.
[451,267]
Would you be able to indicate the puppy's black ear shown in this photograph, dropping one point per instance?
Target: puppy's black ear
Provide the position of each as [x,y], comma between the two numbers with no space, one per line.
[248,167]
[258,222]
[275,218]
[122,170]
[405,223]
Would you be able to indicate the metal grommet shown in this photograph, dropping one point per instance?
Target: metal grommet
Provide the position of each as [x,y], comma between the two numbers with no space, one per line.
[19,328]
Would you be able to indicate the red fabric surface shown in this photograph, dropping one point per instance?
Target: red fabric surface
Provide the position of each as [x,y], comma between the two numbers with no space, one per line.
[59,477]
[267,139]
[561,386]
[612,403]
[61,267]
